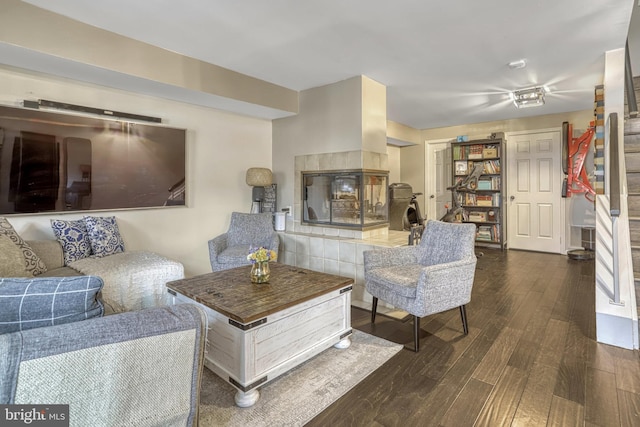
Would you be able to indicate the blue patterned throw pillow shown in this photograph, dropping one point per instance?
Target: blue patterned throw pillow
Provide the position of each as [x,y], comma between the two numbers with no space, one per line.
[104,235]
[73,237]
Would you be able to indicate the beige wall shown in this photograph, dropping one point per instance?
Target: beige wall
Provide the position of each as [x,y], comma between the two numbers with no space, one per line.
[580,120]
[347,116]
[220,148]
[394,164]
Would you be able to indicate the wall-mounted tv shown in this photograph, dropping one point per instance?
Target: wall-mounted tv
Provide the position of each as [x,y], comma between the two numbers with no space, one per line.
[54,162]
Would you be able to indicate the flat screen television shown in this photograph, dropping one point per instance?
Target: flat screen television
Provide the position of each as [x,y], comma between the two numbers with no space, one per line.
[55,162]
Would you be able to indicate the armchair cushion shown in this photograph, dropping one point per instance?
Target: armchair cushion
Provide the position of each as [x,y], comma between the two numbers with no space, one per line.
[402,279]
[250,229]
[234,253]
[443,243]
[45,301]
[246,232]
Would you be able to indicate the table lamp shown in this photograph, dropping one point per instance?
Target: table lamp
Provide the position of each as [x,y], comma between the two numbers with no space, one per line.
[258,178]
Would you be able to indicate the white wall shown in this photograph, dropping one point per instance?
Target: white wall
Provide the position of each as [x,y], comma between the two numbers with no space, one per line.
[220,148]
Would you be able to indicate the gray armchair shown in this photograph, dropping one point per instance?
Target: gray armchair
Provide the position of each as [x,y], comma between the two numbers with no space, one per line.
[432,277]
[246,231]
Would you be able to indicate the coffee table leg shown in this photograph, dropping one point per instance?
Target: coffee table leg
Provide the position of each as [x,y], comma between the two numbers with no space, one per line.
[244,399]
[345,343]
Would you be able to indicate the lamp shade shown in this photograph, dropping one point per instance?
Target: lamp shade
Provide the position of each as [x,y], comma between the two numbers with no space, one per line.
[259,177]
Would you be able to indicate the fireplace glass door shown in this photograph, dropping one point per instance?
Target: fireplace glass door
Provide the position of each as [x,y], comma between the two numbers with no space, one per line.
[355,199]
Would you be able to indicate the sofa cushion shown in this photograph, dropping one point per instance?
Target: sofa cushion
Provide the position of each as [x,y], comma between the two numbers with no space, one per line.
[32,262]
[27,303]
[73,237]
[104,235]
[11,259]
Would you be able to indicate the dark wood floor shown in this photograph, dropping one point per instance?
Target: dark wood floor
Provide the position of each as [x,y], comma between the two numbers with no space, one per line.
[530,358]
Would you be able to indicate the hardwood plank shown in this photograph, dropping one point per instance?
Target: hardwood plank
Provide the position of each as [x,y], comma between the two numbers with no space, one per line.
[523,355]
[627,369]
[494,362]
[443,397]
[468,405]
[570,384]
[601,357]
[565,413]
[601,405]
[503,400]
[629,404]
[554,338]
[533,409]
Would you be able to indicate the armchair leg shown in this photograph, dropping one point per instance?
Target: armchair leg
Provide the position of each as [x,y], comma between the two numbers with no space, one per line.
[463,314]
[374,308]
[416,333]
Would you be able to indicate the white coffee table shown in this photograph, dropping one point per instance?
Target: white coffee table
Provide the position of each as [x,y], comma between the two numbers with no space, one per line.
[258,332]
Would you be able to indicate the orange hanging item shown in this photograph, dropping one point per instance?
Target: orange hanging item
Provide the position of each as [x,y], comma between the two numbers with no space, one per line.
[576,150]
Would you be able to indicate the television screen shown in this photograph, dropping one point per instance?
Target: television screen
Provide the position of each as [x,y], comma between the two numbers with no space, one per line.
[54,162]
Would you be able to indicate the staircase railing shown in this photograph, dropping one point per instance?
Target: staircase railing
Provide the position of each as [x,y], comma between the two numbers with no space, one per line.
[614,200]
[629,88]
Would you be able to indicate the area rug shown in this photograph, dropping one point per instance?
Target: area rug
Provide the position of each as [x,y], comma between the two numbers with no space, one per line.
[298,396]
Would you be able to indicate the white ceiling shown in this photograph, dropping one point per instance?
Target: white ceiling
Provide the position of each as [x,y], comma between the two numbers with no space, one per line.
[443,62]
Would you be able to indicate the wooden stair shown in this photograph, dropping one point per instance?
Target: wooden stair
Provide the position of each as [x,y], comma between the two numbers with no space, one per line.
[632,162]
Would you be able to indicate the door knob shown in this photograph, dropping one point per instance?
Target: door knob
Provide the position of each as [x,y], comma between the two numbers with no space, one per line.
[431,196]
[512,198]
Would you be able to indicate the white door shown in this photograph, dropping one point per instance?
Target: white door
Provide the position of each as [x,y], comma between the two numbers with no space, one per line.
[438,178]
[534,191]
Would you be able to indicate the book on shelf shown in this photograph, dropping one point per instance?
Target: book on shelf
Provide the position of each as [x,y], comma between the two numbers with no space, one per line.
[492,166]
[485,184]
[488,233]
[484,200]
[461,167]
[477,216]
[475,151]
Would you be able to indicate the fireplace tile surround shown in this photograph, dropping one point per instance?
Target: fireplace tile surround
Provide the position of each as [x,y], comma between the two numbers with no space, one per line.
[335,250]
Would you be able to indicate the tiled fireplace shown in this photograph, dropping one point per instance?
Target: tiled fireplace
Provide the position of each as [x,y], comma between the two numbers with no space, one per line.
[335,250]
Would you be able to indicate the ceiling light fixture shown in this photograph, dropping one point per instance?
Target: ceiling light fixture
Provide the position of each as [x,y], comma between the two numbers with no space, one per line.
[533,97]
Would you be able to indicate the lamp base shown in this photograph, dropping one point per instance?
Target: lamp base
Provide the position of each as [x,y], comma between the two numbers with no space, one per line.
[256,207]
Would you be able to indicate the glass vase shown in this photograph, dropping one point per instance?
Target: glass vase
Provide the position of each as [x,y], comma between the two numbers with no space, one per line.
[260,272]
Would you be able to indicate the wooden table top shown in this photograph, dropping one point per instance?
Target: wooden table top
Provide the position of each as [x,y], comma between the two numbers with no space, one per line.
[230,292]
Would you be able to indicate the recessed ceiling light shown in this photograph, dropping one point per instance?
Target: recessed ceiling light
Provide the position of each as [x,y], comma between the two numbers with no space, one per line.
[520,63]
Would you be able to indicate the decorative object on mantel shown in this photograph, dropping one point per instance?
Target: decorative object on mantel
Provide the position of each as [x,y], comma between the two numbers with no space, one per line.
[258,178]
[260,271]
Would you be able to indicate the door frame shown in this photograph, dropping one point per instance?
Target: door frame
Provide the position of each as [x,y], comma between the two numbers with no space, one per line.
[429,176]
[510,179]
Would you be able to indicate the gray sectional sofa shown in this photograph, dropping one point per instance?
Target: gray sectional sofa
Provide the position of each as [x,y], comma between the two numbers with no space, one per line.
[133,280]
[129,369]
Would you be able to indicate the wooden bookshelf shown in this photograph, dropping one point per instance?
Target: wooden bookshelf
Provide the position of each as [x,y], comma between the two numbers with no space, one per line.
[485,206]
